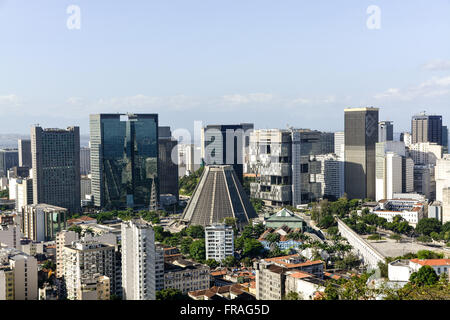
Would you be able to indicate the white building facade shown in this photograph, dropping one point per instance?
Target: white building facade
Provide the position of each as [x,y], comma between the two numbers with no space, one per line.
[219,241]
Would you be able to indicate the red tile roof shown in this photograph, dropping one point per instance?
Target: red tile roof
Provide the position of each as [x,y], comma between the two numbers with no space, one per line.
[432,262]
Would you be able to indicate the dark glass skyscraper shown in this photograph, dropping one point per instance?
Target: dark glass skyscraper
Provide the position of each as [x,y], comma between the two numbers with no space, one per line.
[227,144]
[168,169]
[361,135]
[124,159]
[426,128]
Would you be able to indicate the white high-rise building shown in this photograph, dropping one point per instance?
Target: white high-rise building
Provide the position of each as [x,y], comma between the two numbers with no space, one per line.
[63,239]
[83,262]
[425,153]
[330,174]
[442,175]
[138,261]
[18,275]
[339,144]
[219,240]
[394,171]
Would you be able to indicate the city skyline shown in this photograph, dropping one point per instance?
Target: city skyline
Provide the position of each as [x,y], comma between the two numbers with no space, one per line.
[221,63]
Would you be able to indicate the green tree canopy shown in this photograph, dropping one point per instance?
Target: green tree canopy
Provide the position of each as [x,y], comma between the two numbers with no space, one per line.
[197,250]
[428,225]
[425,276]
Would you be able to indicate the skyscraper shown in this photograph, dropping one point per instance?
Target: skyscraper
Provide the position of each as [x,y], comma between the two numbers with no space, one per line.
[385,131]
[124,159]
[426,128]
[24,153]
[56,167]
[361,135]
[8,158]
[226,144]
[445,139]
[85,161]
[168,169]
[138,261]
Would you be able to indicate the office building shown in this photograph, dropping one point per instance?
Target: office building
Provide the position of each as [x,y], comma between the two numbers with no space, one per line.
[138,261]
[18,275]
[361,135]
[168,167]
[425,153]
[406,138]
[8,158]
[23,193]
[218,195]
[327,142]
[394,171]
[56,167]
[219,242]
[442,176]
[424,182]
[385,131]
[187,156]
[426,128]
[445,139]
[339,144]
[85,184]
[124,160]
[41,222]
[83,262]
[85,161]
[24,147]
[281,160]
[226,145]
[328,172]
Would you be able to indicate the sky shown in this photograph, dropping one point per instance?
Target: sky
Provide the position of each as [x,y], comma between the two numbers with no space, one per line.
[274,63]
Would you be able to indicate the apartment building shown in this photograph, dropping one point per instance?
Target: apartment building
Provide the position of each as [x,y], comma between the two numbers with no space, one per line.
[18,275]
[186,276]
[83,261]
[219,239]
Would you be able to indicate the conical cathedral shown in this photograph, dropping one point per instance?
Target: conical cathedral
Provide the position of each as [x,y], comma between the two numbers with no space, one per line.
[218,195]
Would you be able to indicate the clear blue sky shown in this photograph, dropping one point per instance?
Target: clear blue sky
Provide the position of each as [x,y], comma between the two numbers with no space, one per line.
[222,61]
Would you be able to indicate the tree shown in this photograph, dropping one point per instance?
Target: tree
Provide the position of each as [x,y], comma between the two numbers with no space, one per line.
[396,237]
[425,239]
[185,245]
[212,263]
[350,261]
[292,295]
[273,238]
[196,232]
[326,222]
[427,254]
[425,276]
[428,225]
[76,229]
[252,248]
[383,267]
[197,250]
[230,262]
[375,236]
[229,221]
[170,294]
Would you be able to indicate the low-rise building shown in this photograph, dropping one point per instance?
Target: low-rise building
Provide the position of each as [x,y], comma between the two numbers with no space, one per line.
[186,276]
[285,242]
[284,217]
[41,222]
[409,209]
[230,292]
[401,270]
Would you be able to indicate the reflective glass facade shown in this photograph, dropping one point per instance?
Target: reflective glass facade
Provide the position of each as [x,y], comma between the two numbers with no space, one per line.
[124,159]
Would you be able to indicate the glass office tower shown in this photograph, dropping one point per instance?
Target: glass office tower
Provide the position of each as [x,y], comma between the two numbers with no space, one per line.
[124,159]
